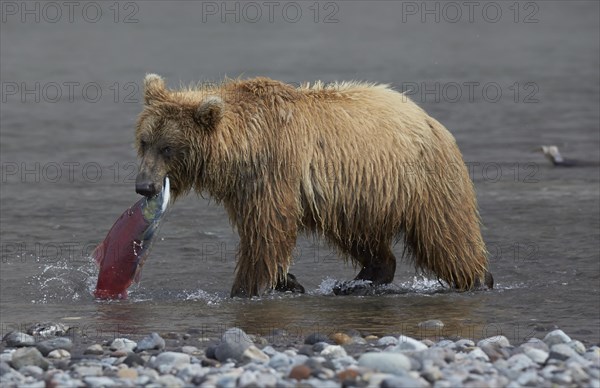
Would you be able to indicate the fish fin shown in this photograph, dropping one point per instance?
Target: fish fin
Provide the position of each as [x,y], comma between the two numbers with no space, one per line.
[138,275]
[98,254]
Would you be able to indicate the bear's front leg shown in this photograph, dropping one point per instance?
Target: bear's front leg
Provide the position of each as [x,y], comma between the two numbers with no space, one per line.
[267,238]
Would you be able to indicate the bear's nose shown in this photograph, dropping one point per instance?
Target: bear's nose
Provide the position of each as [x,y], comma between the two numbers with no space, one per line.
[147,189]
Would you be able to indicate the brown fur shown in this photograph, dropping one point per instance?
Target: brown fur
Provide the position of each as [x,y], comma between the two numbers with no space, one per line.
[359,164]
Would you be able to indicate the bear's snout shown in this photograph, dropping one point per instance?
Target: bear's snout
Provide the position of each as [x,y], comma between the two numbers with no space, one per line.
[146,188]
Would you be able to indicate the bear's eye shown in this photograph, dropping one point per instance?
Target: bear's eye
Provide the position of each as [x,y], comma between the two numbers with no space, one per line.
[166,151]
[143,144]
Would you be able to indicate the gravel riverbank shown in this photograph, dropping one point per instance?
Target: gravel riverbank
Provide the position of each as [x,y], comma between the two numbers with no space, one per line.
[48,357]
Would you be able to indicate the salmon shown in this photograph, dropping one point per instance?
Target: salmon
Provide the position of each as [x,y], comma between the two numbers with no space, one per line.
[123,252]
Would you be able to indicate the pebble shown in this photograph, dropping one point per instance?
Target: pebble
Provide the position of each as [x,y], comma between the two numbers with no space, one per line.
[300,372]
[59,354]
[537,355]
[151,342]
[16,339]
[284,362]
[47,346]
[408,344]
[123,344]
[28,356]
[431,324]
[95,349]
[167,361]
[48,329]
[387,340]
[254,354]
[341,338]
[385,362]
[315,338]
[334,351]
[556,337]
[234,343]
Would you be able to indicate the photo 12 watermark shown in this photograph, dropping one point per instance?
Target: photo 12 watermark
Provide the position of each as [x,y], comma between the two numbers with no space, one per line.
[53,12]
[470,11]
[270,11]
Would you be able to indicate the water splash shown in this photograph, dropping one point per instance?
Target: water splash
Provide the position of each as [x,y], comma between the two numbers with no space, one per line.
[62,281]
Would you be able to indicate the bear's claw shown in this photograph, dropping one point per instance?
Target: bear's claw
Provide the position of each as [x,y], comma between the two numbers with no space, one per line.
[289,284]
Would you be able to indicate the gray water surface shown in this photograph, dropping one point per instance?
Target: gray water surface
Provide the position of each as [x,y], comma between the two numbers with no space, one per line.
[68,165]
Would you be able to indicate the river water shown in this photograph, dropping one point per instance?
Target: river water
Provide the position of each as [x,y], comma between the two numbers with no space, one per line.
[503,77]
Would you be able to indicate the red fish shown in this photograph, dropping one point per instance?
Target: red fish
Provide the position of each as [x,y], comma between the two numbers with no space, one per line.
[123,252]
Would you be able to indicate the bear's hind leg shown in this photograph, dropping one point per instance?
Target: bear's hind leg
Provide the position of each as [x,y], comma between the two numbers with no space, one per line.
[378,266]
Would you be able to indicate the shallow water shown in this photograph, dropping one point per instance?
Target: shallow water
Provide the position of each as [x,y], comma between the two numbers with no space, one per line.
[541,224]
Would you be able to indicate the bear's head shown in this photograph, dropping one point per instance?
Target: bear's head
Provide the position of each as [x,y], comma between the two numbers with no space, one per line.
[171,134]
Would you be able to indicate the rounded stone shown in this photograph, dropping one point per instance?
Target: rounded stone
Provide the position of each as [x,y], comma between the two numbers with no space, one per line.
[408,344]
[314,338]
[499,341]
[28,356]
[431,324]
[166,361]
[300,372]
[333,351]
[16,339]
[254,354]
[387,340]
[123,344]
[47,346]
[95,349]
[385,362]
[537,355]
[341,338]
[556,337]
[234,343]
[59,354]
[152,341]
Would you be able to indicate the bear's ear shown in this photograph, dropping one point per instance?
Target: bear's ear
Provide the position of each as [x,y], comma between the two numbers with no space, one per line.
[154,89]
[209,112]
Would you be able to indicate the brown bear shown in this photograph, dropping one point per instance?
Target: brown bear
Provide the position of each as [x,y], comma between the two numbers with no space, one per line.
[356,163]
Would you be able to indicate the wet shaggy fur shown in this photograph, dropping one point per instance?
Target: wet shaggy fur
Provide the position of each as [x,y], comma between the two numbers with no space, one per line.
[358,164]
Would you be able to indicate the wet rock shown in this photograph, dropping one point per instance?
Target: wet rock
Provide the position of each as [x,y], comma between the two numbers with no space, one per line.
[385,362]
[47,346]
[316,338]
[134,360]
[189,372]
[166,361]
[300,372]
[387,340]
[408,344]
[4,368]
[254,354]
[99,381]
[535,343]
[28,356]
[59,354]
[306,350]
[128,373]
[341,338]
[190,350]
[403,381]
[6,355]
[87,370]
[463,344]
[280,361]
[33,371]
[371,337]
[348,375]
[234,343]
[170,381]
[478,354]
[48,329]
[562,352]
[520,362]
[152,341]
[431,324]
[333,351]
[95,349]
[16,339]
[577,346]
[556,337]
[537,355]
[123,344]
[497,341]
